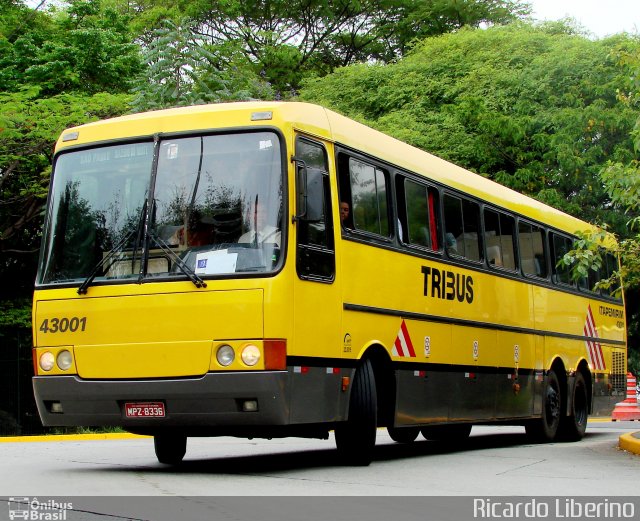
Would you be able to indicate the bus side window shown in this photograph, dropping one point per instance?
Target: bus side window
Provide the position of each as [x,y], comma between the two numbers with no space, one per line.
[369,198]
[589,282]
[532,254]
[434,220]
[417,209]
[419,216]
[560,246]
[499,236]
[611,263]
[461,220]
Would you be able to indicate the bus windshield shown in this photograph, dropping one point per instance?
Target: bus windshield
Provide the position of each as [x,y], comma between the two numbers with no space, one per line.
[216,209]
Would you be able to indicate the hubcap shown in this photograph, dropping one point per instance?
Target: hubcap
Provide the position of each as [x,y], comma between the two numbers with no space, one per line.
[553,403]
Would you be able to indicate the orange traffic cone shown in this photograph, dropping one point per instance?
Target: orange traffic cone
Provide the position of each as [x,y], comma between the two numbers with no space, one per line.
[629,409]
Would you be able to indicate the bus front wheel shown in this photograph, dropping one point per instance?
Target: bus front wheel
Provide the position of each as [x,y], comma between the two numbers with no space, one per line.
[356,437]
[545,428]
[170,448]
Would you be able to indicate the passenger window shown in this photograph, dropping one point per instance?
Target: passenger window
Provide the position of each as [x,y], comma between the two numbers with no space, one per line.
[461,219]
[369,198]
[560,246]
[532,255]
[589,282]
[420,210]
[499,237]
[612,266]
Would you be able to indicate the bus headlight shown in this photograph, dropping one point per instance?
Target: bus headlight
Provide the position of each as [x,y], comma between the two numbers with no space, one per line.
[225,355]
[64,360]
[250,355]
[47,361]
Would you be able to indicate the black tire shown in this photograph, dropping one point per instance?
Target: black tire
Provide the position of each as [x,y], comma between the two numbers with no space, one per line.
[356,437]
[545,429]
[573,427]
[453,432]
[403,434]
[170,448]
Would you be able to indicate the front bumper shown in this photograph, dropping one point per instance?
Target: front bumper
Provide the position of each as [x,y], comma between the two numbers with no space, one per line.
[213,401]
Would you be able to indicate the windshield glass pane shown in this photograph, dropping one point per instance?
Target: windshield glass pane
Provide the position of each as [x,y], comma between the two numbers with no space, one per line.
[96,200]
[211,194]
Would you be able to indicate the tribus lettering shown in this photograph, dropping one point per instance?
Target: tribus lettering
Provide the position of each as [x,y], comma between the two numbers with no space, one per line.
[447,285]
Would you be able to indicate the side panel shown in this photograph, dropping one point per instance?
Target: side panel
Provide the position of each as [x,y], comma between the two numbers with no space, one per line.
[472,356]
[595,333]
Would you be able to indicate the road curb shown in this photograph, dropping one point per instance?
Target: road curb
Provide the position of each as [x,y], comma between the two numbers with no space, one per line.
[630,442]
[71,437]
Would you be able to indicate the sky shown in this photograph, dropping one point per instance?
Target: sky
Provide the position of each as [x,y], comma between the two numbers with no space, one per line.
[600,17]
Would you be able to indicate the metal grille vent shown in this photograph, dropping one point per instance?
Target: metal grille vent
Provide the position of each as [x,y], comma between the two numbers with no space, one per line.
[618,376]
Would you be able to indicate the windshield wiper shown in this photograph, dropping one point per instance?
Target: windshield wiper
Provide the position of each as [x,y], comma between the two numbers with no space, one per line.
[107,257]
[116,249]
[184,268]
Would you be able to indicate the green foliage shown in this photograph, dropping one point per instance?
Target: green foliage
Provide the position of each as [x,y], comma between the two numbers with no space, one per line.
[31,126]
[8,425]
[57,69]
[15,313]
[181,69]
[85,48]
[532,109]
[622,183]
[284,41]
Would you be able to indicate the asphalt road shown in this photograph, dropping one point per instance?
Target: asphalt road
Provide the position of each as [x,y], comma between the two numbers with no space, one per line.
[493,461]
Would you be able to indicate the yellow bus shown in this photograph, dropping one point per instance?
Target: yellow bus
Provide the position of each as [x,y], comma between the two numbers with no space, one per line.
[275,269]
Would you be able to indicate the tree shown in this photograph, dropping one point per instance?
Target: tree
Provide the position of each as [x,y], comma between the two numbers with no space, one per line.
[85,48]
[57,69]
[181,69]
[31,126]
[284,41]
[622,183]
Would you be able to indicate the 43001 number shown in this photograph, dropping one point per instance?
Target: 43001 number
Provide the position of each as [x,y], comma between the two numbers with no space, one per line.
[64,324]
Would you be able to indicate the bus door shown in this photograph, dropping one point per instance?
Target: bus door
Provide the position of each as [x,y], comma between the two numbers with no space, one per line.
[317,302]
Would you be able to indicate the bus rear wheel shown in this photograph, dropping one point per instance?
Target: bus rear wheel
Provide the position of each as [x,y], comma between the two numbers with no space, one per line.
[545,428]
[170,448]
[356,437]
[453,432]
[573,427]
[403,434]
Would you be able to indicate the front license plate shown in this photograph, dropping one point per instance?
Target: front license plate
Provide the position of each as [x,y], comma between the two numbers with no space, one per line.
[144,410]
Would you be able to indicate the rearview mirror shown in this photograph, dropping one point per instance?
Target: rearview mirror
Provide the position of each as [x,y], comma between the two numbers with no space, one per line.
[309,193]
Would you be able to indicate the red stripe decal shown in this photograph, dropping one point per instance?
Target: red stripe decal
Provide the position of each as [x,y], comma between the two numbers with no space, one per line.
[407,339]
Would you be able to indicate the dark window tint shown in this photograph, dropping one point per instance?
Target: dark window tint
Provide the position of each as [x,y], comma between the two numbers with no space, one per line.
[462,220]
[419,219]
[499,239]
[611,264]
[532,255]
[315,255]
[560,246]
[369,198]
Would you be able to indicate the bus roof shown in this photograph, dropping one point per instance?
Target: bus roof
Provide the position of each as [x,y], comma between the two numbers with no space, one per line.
[326,124]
